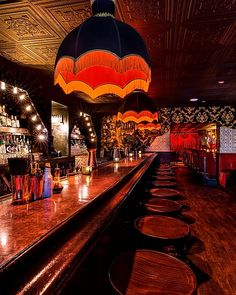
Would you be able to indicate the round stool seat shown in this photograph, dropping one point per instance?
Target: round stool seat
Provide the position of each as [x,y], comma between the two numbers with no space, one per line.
[163,183]
[163,193]
[162,227]
[151,272]
[163,169]
[164,177]
[162,206]
[158,173]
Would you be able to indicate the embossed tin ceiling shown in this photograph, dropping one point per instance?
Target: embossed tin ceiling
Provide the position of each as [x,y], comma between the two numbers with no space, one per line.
[192,43]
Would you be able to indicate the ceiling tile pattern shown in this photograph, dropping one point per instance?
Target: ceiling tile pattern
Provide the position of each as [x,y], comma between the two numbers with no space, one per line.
[192,43]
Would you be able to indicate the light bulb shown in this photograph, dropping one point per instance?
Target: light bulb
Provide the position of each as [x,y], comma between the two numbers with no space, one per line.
[22,97]
[41,137]
[3,85]
[28,108]
[15,90]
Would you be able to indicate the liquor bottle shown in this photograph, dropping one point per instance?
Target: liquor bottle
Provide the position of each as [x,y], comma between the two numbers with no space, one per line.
[8,120]
[2,145]
[4,116]
[13,122]
[57,186]
[17,122]
[47,181]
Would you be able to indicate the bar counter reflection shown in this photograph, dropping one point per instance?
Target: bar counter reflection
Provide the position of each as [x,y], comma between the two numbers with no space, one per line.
[25,225]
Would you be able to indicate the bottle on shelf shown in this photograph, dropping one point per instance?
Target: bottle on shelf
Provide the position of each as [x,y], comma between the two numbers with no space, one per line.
[47,181]
[8,121]
[3,116]
[13,122]
[17,122]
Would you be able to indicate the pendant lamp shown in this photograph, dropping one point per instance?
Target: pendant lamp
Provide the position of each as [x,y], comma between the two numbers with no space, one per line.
[138,110]
[103,56]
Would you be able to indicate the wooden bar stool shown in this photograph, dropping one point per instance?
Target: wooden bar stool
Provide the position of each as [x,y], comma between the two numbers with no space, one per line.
[165,193]
[164,183]
[164,232]
[158,173]
[162,206]
[151,272]
[164,177]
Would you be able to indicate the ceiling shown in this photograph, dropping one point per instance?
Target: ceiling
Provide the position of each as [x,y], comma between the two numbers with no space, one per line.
[192,43]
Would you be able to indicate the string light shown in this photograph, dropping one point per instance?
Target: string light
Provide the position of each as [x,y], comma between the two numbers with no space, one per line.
[28,108]
[41,137]
[22,97]
[81,114]
[33,118]
[88,124]
[3,85]
[86,118]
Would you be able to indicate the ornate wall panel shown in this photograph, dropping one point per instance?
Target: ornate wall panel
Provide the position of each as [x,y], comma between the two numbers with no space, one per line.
[227,140]
[223,116]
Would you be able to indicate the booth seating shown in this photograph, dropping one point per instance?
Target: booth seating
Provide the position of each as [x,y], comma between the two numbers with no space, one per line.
[227,168]
[162,206]
[151,272]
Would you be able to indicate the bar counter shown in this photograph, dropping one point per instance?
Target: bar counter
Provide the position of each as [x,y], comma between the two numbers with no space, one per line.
[26,229]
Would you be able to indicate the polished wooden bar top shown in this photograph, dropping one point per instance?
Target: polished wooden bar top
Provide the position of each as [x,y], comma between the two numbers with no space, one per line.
[24,225]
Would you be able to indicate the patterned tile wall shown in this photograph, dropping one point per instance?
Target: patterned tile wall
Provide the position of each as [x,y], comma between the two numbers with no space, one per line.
[227,140]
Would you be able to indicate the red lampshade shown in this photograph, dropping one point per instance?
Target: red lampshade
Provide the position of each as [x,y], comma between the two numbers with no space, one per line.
[139,109]
[103,56]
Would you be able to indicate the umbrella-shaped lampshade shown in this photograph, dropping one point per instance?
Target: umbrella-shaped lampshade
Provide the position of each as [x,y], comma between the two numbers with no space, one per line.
[138,108]
[149,126]
[103,56]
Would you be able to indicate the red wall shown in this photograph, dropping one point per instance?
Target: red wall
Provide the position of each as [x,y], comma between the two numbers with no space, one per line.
[180,141]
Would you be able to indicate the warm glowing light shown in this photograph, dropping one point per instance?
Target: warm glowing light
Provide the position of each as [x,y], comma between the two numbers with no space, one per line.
[3,85]
[90,129]
[116,160]
[86,118]
[39,127]
[28,108]
[3,239]
[221,82]
[15,90]
[92,139]
[88,124]
[41,137]
[34,118]
[86,170]
[81,114]
[22,97]
[193,99]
